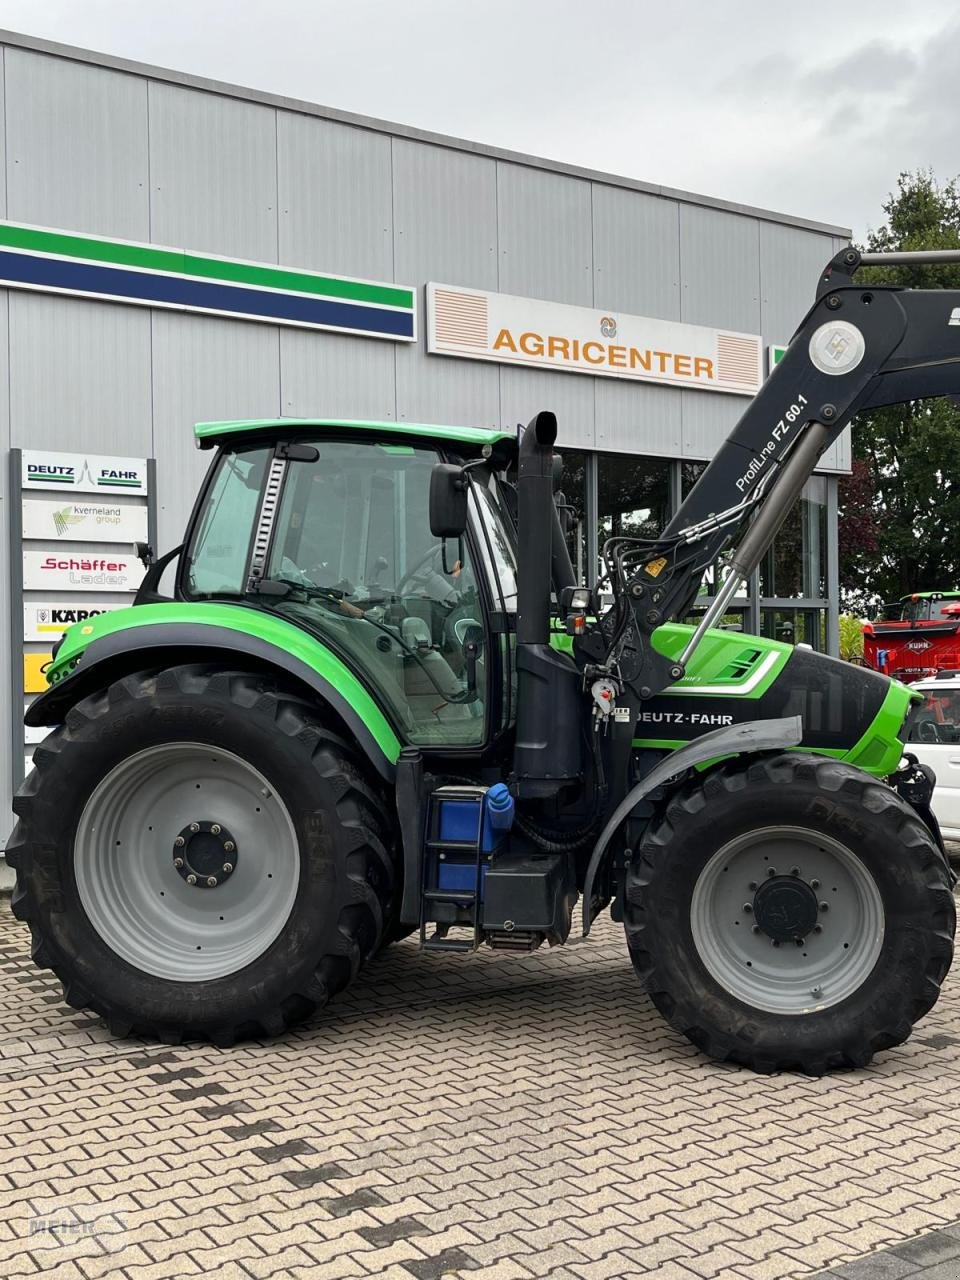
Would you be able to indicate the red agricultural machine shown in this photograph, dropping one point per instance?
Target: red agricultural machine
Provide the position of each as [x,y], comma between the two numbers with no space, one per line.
[916,636]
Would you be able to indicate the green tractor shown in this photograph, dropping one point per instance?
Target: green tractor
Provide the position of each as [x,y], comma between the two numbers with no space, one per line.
[376,701]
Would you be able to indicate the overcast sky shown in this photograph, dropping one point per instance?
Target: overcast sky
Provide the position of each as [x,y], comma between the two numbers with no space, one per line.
[811,109]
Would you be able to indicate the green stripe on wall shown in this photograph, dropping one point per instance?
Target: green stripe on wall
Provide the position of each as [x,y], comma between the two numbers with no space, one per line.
[178,262]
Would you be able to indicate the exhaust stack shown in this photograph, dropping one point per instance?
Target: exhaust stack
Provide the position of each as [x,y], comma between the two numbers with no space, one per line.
[547,754]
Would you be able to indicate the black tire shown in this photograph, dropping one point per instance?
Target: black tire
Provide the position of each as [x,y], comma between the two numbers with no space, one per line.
[818,795]
[347,876]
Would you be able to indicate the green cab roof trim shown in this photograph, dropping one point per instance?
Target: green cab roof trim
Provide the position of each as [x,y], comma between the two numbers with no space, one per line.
[210,433]
[285,637]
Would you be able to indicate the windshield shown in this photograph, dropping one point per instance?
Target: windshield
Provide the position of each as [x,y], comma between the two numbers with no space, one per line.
[217,560]
[929,610]
[352,542]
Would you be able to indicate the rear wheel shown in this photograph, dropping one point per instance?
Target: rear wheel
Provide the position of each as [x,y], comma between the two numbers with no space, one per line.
[790,912]
[198,854]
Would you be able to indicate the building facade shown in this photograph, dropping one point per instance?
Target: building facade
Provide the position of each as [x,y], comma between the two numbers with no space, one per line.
[174,249]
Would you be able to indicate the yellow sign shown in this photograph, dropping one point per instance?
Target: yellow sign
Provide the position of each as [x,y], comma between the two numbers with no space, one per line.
[34,681]
[656,567]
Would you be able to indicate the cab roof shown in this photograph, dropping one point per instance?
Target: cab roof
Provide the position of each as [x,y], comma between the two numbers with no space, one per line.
[209,434]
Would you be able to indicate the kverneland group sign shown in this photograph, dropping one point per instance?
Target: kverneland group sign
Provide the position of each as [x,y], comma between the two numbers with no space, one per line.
[512,330]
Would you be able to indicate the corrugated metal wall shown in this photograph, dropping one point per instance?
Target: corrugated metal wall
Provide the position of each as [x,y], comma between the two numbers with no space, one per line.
[96,149]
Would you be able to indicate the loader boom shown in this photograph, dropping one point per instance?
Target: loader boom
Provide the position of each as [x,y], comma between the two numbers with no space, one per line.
[858,347]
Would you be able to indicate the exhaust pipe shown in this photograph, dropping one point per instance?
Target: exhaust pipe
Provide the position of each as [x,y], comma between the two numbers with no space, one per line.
[547,753]
[535,512]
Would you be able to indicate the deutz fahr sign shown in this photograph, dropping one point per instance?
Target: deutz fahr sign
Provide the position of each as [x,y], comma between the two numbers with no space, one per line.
[66,472]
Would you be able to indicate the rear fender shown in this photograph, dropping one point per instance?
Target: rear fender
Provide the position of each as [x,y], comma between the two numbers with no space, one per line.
[325,677]
[732,740]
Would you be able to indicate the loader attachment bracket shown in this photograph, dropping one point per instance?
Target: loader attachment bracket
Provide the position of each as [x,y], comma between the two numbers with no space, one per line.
[732,740]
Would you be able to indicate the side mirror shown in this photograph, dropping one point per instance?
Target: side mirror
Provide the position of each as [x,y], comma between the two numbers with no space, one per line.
[448,501]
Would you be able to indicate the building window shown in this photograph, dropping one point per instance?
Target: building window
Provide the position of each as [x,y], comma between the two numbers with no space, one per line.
[573,487]
[796,564]
[633,498]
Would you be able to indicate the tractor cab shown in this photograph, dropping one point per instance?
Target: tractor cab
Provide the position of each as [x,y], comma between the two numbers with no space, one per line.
[346,553]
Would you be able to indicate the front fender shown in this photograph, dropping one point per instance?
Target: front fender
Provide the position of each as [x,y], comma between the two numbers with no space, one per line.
[118,643]
[732,740]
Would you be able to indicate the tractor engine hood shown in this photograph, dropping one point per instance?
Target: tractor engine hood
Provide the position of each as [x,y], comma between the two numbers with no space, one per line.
[849,712]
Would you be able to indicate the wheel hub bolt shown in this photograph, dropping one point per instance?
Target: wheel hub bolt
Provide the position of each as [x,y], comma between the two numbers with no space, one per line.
[191,878]
[178,862]
[771,872]
[194,826]
[215,829]
[756,928]
[752,885]
[775,941]
[814,884]
[227,868]
[798,941]
[229,846]
[794,871]
[824,906]
[211,882]
[748,907]
[179,842]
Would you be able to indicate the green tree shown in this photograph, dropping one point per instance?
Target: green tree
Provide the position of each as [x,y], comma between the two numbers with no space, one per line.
[900,510]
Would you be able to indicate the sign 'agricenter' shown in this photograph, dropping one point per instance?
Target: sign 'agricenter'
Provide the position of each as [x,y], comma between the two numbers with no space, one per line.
[501,327]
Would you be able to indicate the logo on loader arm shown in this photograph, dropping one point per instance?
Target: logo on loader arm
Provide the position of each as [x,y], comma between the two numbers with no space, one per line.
[837,347]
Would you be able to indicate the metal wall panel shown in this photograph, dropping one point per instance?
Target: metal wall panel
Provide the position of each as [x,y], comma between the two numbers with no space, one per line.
[76,146]
[791,264]
[707,418]
[334,197]
[204,369]
[636,253]
[445,389]
[213,173]
[6,657]
[720,269]
[445,216]
[79,375]
[326,375]
[545,238]
[634,418]
[524,392]
[4,53]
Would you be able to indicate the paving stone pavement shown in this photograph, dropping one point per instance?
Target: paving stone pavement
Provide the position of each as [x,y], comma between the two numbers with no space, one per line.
[493,1117]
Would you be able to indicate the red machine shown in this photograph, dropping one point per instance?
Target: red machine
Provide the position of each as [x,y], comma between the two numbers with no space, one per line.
[916,636]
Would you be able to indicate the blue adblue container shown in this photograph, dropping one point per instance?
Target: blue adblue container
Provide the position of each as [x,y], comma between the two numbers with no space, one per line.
[458,822]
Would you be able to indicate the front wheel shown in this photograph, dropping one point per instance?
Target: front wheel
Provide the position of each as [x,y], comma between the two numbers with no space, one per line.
[790,913]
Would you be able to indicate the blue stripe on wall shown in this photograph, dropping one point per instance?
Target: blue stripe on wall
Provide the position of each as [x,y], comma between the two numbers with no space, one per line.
[141,287]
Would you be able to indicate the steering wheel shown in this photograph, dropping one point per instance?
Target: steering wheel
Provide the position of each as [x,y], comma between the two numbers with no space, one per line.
[415,569]
[927,731]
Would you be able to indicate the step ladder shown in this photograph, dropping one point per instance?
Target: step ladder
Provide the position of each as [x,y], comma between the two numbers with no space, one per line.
[436,853]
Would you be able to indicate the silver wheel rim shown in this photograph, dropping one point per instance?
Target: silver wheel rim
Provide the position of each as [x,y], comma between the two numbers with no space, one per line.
[141,904]
[834,957]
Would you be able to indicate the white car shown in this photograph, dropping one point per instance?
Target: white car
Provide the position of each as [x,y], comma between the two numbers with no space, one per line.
[935,740]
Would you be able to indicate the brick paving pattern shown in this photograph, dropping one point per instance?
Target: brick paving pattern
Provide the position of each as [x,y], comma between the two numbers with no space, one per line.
[491,1117]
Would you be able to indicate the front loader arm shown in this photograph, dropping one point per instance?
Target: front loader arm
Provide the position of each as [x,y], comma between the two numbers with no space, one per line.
[857,348]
